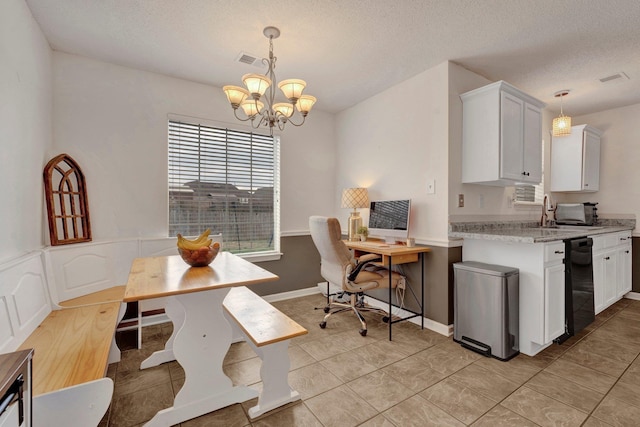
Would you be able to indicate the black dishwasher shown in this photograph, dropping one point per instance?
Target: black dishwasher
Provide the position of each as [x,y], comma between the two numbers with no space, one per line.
[578,273]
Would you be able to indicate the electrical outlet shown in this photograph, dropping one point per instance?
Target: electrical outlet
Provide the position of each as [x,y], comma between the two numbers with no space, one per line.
[461,200]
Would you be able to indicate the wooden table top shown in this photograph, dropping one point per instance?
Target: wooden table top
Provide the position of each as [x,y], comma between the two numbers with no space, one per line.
[155,277]
[385,249]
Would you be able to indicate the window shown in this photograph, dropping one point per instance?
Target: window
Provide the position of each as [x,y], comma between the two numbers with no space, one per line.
[226,180]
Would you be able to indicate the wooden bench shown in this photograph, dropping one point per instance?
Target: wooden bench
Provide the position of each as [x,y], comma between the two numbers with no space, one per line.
[113,294]
[73,348]
[268,331]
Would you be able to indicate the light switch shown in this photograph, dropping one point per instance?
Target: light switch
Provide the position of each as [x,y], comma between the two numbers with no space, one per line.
[431,186]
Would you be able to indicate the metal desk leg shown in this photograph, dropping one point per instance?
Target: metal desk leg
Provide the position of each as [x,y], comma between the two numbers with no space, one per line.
[390,294]
[422,292]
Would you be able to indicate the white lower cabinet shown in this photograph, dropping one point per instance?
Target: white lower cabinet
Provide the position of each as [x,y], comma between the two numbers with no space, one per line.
[624,269]
[611,268]
[554,318]
[541,286]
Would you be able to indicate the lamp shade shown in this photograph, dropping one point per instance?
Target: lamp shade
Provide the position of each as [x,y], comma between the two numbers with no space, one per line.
[355,198]
[257,84]
[561,125]
[283,108]
[235,95]
[305,103]
[250,108]
[292,88]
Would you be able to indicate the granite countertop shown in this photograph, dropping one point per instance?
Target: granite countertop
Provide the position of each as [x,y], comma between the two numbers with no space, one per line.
[531,232]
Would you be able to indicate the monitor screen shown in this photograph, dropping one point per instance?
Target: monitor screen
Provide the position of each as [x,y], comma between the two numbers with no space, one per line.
[389,219]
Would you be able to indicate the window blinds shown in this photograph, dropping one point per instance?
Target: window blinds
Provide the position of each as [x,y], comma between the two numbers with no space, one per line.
[226,180]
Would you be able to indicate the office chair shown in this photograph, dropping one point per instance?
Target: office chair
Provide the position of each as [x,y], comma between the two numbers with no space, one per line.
[338,266]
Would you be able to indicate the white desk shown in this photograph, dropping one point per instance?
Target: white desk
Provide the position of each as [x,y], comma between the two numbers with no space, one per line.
[202,334]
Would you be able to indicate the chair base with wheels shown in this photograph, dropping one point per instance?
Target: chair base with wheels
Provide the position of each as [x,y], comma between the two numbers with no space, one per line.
[357,305]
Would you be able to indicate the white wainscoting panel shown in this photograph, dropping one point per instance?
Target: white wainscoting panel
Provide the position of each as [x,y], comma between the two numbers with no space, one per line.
[24,300]
[76,270]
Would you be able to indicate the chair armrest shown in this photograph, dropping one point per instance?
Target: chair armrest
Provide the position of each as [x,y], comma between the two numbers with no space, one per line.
[362,261]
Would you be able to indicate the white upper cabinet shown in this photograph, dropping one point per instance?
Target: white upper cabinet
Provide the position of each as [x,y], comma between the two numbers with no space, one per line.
[501,136]
[575,160]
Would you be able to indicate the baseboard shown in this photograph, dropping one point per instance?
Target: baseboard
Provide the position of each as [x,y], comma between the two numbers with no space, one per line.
[446,330]
[633,295]
[291,294]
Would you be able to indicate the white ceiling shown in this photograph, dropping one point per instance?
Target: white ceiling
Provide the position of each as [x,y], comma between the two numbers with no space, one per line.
[349,50]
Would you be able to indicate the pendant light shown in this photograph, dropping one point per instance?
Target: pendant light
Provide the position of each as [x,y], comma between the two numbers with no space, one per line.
[562,123]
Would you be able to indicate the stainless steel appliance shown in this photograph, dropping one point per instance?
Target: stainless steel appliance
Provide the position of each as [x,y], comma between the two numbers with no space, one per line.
[576,213]
[15,389]
[486,308]
[579,299]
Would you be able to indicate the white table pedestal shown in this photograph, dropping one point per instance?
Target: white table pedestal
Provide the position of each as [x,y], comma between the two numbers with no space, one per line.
[201,339]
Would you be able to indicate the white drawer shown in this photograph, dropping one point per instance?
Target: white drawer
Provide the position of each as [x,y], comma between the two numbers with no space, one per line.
[554,252]
[610,240]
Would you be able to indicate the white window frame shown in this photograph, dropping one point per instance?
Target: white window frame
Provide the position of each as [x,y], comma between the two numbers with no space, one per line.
[260,255]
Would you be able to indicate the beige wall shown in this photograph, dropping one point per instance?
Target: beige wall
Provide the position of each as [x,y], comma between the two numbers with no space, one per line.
[113,121]
[392,146]
[25,128]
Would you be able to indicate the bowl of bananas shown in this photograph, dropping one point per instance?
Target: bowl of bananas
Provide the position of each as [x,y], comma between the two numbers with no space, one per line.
[198,252]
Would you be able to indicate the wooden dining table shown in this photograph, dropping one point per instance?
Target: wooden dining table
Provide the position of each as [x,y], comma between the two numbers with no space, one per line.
[202,335]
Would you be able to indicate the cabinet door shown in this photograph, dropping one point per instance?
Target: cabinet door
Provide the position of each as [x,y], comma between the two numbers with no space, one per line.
[511,127]
[598,281]
[624,270]
[610,287]
[554,317]
[591,162]
[532,161]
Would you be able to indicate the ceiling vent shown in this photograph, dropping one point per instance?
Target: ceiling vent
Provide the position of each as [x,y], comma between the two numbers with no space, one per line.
[247,58]
[614,78]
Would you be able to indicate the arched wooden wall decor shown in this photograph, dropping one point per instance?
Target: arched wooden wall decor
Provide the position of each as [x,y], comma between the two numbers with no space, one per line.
[67,205]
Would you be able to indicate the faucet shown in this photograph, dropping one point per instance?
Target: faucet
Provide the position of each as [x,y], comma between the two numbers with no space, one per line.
[547,205]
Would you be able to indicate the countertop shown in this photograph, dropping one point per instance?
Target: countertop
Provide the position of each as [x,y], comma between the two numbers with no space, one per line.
[535,234]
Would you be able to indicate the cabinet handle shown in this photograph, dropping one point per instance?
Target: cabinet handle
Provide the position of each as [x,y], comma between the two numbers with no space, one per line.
[525,173]
[626,252]
[623,238]
[586,185]
[558,252]
[606,258]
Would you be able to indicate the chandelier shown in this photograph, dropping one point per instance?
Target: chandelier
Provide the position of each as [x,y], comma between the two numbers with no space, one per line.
[562,123]
[269,113]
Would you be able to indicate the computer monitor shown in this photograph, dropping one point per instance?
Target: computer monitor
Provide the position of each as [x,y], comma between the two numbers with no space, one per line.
[389,219]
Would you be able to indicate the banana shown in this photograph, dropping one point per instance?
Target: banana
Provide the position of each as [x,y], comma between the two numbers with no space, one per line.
[194,244]
[203,237]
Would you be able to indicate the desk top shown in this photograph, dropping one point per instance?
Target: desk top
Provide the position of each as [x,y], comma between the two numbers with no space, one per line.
[385,249]
[155,277]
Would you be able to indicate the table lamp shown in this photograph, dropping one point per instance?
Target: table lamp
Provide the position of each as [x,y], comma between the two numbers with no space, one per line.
[355,198]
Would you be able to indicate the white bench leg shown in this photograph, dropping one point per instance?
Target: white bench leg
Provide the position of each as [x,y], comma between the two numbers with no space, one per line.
[114,351]
[274,372]
[176,313]
[82,405]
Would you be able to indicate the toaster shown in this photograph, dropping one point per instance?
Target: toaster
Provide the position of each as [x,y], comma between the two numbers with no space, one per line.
[576,213]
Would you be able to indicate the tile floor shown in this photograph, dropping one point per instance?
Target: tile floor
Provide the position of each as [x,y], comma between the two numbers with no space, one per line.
[420,379]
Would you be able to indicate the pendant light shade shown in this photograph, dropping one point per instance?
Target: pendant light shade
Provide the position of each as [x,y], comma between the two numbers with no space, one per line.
[562,123]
